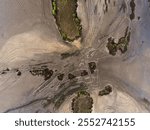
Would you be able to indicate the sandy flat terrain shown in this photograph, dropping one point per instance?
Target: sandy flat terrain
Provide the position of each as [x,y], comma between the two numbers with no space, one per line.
[29,39]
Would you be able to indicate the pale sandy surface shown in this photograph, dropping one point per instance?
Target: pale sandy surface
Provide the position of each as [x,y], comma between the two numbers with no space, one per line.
[28,35]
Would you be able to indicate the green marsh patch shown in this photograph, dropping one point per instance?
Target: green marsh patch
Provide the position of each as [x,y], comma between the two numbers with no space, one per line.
[82,103]
[121,45]
[65,13]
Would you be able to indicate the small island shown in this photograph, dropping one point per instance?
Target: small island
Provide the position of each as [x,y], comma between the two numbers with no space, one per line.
[68,23]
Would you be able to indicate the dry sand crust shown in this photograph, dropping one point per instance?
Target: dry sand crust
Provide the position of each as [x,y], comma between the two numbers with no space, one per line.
[29,35]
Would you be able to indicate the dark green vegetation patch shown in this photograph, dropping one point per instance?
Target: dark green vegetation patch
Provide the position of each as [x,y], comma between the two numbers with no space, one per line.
[132,5]
[92,67]
[82,103]
[107,90]
[43,71]
[65,13]
[122,44]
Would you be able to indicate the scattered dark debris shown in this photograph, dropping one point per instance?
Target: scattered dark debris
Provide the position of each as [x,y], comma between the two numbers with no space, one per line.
[123,7]
[5,71]
[18,72]
[42,71]
[84,73]
[132,5]
[82,103]
[47,73]
[92,67]
[139,17]
[122,44]
[71,76]
[112,46]
[107,90]
[60,77]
